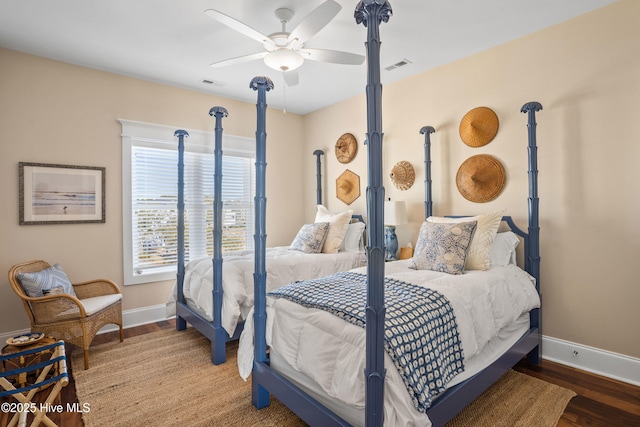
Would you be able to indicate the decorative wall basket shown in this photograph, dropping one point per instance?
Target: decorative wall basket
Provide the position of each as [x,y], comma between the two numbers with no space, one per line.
[402,175]
[346,148]
[478,127]
[481,178]
[348,187]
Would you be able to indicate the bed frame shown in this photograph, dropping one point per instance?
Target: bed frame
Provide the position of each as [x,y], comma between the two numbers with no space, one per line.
[446,406]
[213,330]
[266,381]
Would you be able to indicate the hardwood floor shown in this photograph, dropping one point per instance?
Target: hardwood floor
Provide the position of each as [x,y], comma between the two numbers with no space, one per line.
[601,402]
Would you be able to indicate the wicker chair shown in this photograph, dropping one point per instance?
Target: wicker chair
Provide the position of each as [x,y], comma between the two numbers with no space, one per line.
[64,316]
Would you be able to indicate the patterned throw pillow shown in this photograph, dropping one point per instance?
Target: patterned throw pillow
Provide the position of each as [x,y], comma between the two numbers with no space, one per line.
[34,284]
[479,255]
[443,247]
[310,238]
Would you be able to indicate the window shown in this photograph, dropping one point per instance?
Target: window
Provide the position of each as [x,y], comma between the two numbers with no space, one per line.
[150,196]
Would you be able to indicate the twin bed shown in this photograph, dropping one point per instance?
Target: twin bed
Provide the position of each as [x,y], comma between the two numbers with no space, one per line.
[400,343]
[349,349]
[215,295]
[317,339]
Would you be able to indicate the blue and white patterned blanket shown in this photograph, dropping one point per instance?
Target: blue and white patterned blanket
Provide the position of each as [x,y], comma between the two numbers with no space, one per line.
[421,333]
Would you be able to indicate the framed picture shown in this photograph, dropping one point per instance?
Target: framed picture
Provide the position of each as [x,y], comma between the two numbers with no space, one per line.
[61,194]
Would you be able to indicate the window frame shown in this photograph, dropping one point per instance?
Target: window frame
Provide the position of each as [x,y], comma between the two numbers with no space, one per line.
[136,133]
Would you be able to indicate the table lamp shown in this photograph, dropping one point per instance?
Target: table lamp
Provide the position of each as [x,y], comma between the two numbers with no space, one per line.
[395,213]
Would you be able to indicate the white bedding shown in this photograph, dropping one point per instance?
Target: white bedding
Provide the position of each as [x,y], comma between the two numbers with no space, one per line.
[282,264]
[331,352]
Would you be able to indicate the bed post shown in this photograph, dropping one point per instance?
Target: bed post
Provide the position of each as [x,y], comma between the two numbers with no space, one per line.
[371,13]
[260,395]
[532,258]
[318,153]
[181,324]
[428,196]
[218,353]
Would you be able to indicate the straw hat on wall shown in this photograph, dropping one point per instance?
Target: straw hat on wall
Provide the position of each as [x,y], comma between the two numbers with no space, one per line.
[481,178]
[348,187]
[346,148]
[478,127]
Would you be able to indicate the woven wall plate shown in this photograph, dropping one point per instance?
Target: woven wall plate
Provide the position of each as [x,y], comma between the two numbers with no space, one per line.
[348,186]
[346,148]
[481,178]
[402,175]
[478,127]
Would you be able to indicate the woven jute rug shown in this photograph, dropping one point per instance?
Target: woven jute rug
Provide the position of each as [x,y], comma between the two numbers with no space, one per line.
[166,378]
[516,400]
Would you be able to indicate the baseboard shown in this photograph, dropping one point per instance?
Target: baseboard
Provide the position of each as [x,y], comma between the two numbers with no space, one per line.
[139,316]
[130,318]
[601,362]
[590,359]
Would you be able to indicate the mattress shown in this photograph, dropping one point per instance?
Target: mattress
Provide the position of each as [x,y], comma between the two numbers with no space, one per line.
[283,266]
[403,413]
[326,355]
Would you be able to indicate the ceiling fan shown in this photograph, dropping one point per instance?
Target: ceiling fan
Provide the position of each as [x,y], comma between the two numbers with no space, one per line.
[285,51]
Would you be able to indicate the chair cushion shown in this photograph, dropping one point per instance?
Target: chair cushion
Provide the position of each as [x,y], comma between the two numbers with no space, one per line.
[34,284]
[95,304]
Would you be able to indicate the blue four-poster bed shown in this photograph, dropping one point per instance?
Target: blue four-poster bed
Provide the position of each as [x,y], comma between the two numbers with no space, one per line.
[213,297]
[213,330]
[297,391]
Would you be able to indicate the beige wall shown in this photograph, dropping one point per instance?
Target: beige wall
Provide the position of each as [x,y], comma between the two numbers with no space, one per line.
[586,74]
[51,112]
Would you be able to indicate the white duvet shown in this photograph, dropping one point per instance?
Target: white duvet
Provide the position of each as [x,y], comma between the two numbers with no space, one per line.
[331,352]
[282,264]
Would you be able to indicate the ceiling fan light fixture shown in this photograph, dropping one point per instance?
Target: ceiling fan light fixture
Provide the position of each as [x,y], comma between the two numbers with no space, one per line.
[283,60]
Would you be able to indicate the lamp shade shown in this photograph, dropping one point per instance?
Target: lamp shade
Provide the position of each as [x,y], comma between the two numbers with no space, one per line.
[395,213]
[283,60]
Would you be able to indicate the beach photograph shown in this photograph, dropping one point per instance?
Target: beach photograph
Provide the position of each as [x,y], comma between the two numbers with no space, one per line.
[63,194]
[55,193]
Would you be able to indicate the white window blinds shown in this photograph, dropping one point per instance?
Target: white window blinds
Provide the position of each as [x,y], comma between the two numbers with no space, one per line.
[151,211]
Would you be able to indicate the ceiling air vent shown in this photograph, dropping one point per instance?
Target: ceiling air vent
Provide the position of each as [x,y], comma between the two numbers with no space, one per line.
[398,64]
[212,82]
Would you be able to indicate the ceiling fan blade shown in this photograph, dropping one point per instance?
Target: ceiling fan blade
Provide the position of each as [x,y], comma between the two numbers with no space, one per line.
[333,56]
[240,27]
[315,21]
[239,60]
[291,78]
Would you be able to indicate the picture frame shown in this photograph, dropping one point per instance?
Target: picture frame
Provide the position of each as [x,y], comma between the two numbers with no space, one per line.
[61,194]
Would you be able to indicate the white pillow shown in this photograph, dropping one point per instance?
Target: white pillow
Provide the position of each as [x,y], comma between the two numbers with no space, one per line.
[503,250]
[479,256]
[352,241]
[337,228]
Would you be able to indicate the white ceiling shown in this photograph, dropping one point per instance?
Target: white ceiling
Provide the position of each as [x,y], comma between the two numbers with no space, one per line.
[173,41]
